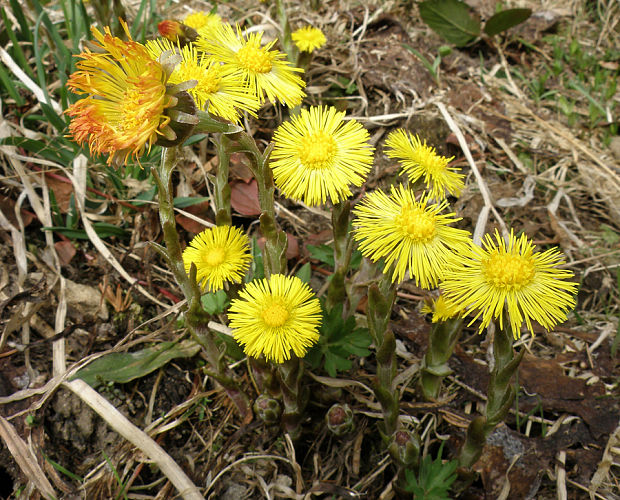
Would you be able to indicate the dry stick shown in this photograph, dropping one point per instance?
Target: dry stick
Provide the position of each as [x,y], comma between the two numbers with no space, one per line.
[26,459]
[79,183]
[484,189]
[137,437]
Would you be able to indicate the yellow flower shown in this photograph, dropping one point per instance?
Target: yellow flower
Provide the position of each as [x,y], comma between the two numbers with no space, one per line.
[317,155]
[265,71]
[274,316]
[123,113]
[412,234]
[420,161]
[220,254]
[308,38]
[218,86]
[202,22]
[498,275]
[442,309]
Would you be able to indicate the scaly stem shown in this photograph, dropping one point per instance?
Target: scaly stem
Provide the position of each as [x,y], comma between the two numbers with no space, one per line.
[343,248]
[441,342]
[290,372]
[294,395]
[196,317]
[221,187]
[500,395]
[381,298]
[285,39]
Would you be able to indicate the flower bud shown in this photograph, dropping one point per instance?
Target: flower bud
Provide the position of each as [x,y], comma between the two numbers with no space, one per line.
[404,448]
[267,409]
[339,419]
[177,32]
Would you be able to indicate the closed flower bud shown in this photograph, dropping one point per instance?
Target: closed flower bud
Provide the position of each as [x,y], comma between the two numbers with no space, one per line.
[340,419]
[267,409]
[404,448]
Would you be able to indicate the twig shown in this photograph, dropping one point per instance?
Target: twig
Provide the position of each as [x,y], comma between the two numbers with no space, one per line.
[137,437]
[484,189]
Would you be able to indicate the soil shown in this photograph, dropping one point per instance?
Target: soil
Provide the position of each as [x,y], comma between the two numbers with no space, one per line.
[565,419]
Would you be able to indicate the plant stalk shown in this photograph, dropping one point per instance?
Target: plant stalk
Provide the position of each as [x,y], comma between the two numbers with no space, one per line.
[442,339]
[500,395]
[343,248]
[196,317]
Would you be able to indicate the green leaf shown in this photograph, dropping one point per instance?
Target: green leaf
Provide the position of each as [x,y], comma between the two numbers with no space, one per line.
[322,253]
[216,302]
[451,20]
[339,340]
[188,201]
[103,229]
[194,139]
[123,367]
[304,273]
[505,20]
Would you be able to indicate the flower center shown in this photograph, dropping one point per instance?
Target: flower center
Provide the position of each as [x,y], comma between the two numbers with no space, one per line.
[132,110]
[208,79]
[215,256]
[317,151]
[508,271]
[255,59]
[418,224]
[275,314]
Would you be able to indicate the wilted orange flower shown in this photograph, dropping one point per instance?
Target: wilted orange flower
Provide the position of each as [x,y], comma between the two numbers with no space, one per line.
[123,112]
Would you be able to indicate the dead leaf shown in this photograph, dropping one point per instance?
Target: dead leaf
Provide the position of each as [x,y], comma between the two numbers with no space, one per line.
[65,250]
[191,225]
[62,192]
[7,207]
[244,197]
[292,250]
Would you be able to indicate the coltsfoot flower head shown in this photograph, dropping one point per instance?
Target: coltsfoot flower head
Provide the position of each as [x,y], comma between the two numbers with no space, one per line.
[442,309]
[218,86]
[308,38]
[273,316]
[124,111]
[265,70]
[511,275]
[420,161]
[317,155]
[202,22]
[220,254]
[412,235]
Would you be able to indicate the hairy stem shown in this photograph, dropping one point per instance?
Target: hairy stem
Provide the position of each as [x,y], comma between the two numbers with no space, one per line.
[343,248]
[500,395]
[196,317]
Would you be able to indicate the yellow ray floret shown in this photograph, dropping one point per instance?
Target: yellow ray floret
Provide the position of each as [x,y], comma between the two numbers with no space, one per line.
[308,38]
[442,309]
[123,112]
[413,235]
[219,87]
[202,21]
[264,69]
[510,276]
[273,316]
[220,254]
[420,161]
[317,155]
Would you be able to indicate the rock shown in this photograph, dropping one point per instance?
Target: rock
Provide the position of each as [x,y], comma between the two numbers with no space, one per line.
[84,301]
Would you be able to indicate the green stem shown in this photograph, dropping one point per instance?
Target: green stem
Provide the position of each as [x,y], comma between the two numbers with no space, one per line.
[294,395]
[441,342]
[500,395]
[286,39]
[343,248]
[221,187]
[196,318]
[381,298]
